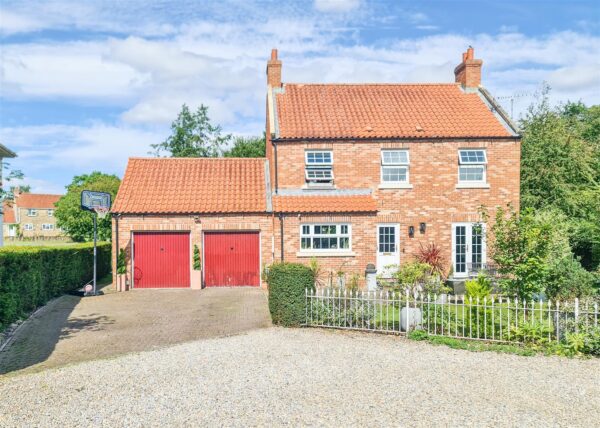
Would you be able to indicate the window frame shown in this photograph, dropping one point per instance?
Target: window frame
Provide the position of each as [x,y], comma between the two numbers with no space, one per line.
[469,164]
[48,228]
[32,212]
[28,226]
[318,166]
[50,212]
[388,165]
[338,235]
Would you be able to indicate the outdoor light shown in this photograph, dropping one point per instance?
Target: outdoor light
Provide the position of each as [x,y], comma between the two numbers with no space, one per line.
[422,227]
[411,231]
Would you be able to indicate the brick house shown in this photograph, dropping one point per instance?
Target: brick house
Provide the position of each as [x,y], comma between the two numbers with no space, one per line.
[355,174]
[33,216]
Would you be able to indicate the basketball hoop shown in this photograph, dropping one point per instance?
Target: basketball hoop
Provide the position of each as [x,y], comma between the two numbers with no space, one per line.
[98,203]
[101,212]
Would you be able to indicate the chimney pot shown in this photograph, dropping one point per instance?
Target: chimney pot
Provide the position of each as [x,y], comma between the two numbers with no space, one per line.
[273,54]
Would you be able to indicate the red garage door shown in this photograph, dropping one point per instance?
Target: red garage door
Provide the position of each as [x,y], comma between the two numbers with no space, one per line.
[161,260]
[231,259]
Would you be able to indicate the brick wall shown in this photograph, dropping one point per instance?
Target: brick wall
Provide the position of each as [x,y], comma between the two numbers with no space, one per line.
[196,225]
[433,199]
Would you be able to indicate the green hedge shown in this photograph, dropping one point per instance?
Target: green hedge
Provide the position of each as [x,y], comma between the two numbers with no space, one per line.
[287,287]
[30,276]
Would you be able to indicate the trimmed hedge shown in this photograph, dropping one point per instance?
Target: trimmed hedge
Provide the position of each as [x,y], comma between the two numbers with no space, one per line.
[30,276]
[287,287]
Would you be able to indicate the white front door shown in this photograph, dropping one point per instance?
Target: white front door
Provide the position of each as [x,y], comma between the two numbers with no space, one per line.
[468,248]
[12,230]
[388,249]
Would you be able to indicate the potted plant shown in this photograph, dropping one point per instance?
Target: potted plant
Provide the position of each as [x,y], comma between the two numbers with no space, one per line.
[121,269]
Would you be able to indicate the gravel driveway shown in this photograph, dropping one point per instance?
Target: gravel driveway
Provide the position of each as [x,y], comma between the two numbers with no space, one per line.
[308,377]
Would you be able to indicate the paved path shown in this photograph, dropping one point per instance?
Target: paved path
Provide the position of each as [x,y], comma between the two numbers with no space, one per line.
[71,329]
[299,377]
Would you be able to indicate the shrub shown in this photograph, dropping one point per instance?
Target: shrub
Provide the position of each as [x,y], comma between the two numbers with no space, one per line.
[478,288]
[30,276]
[567,279]
[288,283]
[197,264]
[432,255]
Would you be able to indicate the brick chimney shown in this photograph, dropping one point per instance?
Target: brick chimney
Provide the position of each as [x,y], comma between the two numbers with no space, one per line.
[274,70]
[468,72]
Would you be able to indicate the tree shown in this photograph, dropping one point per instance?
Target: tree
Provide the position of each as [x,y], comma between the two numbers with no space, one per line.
[13,174]
[193,135]
[78,224]
[560,169]
[247,147]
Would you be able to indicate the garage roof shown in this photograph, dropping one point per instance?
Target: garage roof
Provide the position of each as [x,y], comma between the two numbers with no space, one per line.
[192,185]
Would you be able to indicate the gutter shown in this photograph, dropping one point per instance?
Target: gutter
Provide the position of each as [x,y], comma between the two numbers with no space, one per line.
[367,140]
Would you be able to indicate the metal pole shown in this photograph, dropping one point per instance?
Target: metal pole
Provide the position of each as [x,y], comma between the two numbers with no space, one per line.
[95,225]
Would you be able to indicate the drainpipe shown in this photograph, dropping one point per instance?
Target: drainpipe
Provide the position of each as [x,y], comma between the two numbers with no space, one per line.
[275,155]
[281,233]
[115,275]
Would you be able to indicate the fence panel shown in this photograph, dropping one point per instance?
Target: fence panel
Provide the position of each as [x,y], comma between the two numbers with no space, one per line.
[494,319]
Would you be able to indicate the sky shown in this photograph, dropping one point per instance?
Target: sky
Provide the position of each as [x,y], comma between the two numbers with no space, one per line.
[86,84]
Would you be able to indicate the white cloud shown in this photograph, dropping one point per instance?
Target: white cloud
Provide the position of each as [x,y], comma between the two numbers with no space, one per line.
[336,5]
[59,152]
[73,69]
[12,23]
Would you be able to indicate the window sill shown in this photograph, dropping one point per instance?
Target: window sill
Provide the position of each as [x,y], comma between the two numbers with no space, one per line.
[473,186]
[395,186]
[325,254]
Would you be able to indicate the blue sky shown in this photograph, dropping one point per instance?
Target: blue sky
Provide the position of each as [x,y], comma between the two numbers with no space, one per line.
[85,85]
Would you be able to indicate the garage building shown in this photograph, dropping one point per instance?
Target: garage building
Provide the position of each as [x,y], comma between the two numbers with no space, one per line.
[169,209]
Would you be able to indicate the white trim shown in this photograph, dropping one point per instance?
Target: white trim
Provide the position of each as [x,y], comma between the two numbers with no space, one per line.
[397,226]
[468,253]
[325,253]
[337,235]
[472,185]
[30,212]
[384,165]
[472,164]
[307,151]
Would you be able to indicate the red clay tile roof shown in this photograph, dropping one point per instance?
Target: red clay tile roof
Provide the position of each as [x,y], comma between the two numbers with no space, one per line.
[383,111]
[192,185]
[324,204]
[37,200]
[9,212]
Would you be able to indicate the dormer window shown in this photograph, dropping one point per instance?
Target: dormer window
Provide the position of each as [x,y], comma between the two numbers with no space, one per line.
[319,167]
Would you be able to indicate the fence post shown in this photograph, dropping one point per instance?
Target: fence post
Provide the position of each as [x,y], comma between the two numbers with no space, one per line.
[407,310]
[306,306]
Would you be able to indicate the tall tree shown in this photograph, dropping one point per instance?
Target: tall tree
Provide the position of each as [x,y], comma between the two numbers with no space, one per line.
[78,224]
[193,135]
[560,169]
[247,147]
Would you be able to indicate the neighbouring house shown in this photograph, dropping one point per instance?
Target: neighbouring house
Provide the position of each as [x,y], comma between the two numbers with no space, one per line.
[4,153]
[355,174]
[32,216]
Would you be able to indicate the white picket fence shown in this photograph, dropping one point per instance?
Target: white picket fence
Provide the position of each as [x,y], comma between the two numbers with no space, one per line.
[498,319]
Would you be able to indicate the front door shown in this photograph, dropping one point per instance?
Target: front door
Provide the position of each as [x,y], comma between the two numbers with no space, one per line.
[468,248]
[388,253]
[12,230]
